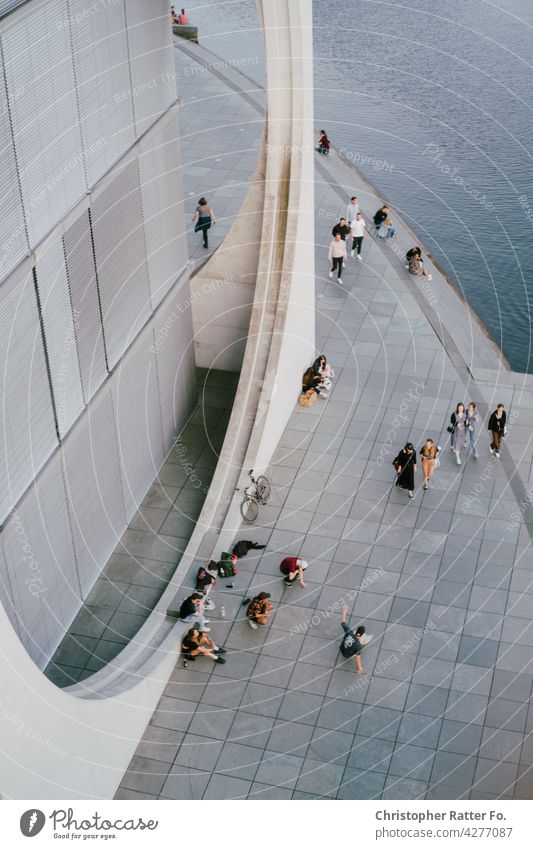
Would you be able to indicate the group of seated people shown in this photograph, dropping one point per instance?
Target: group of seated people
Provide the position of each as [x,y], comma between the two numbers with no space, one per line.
[318,377]
[415,263]
[180,18]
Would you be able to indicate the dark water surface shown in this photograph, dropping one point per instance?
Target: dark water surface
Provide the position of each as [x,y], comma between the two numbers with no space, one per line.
[433,102]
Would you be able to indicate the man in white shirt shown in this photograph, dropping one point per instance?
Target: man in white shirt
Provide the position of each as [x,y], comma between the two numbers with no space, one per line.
[337,255]
[358,228]
[351,210]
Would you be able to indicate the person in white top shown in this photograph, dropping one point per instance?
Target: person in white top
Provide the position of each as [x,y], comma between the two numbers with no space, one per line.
[358,228]
[351,210]
[337,256]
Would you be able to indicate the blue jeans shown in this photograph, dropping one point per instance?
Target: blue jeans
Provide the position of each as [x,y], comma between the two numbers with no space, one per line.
[196,617]
[473,440]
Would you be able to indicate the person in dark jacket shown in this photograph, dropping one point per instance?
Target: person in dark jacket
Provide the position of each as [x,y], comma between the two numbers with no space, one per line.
[381,216]
[310,380]
[192,610]
[405,465]
[497,428]
[323,144]
[352,643]
[196,642]
[341,228]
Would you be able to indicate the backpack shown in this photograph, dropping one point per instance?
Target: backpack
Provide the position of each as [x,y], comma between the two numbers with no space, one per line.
[226,566]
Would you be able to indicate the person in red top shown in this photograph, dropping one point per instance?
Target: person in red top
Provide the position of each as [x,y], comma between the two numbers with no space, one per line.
[182,17]
[293,568]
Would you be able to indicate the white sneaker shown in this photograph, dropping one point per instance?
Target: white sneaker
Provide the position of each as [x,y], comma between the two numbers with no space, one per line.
[323,394]
[430,277]
[476,455]
[497,454]
[352,253]
[206,630]
[331,274]
[458,461]
[491,450]
[252,624]
[339,280]
[359,257]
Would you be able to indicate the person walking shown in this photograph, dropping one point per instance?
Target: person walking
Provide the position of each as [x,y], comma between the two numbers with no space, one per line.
[405,465]
[352,643]
[206,218]
[472,422]
[259,610]
[323,143]
[341,228]
[358,228]
[458,431]
[192,610]
[337,256]
[428,456]
[195,643]
[497,428]
[352,209]
[293,568]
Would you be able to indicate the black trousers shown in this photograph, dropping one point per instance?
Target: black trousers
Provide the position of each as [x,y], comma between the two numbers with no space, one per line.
[337,262]
[357,243]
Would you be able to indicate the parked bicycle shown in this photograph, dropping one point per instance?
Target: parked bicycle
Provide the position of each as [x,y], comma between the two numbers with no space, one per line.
[255,494]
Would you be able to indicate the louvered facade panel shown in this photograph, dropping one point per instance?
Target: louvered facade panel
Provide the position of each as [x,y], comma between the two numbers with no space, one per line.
[59,334]
[27,424]
[101,64]
[13,243]
[40,560]
[138,418]
[175,365]
[164,223]
[85,305]
[153,74]
[38,62]
[94,487]
[6,590]
[121,261]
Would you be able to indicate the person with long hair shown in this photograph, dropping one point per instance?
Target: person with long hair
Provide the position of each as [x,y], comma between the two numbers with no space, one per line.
[472,422]
[405,465]
[458,425]
[428,455]
[206,218]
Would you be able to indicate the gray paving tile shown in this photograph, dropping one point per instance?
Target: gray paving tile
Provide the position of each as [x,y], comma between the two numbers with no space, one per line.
[494,777]
[390,694]
[419,730]
[404,788]
[510,685]
[477,651]
[330,746]
[238,761]
[145,775]
[266,791]
[279,769]
[501,745]
[423,699]
[324,779]
[502,713]
[361,785]
[225,787]
[453,769]
[460,737]
[412,762]
[370,753]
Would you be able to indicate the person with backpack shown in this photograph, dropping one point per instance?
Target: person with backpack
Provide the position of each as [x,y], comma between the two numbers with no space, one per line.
[352,643]
[293,569]
[196,642]
[259,610]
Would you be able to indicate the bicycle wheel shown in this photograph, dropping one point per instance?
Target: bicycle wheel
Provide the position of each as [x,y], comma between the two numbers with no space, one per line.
[263,489]
[249,509]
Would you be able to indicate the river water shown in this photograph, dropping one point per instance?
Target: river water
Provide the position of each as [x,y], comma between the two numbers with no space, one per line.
[433,102]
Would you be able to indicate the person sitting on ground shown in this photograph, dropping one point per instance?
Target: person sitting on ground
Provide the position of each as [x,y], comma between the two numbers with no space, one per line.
[322,368]
[293,569]
[352,644]
[386,231]
[416,267]
[241,548]
[259,611]
[173,16]
[182,17]
[192,610]
[196,642]
[323,144]
[413,252]
[341,228]
[381,216]
[310,380]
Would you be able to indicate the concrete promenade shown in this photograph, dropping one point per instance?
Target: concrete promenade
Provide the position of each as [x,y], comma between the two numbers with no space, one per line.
[444,582]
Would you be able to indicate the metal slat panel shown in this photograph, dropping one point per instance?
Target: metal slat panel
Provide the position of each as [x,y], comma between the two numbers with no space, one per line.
[27,425]
[38,62]
[164,224]
[101,64]
[175,365]
[85,305]
[153,74]
[121,261]
[94,488]
[40,560]
[59,334]
[138,418]
[13,242]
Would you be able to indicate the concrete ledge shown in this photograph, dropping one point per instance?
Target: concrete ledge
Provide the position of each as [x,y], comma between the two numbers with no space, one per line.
[186,31]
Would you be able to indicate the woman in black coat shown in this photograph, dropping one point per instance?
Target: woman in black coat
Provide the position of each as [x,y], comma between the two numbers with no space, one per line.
[405,465]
